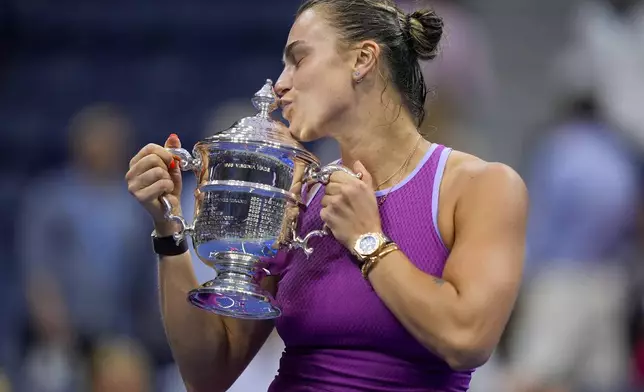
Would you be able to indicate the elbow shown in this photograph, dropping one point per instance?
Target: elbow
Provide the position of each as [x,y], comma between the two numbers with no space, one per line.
[467,353]
[463,361]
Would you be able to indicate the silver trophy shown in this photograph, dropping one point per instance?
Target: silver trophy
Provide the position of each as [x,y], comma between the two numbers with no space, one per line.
[252,183]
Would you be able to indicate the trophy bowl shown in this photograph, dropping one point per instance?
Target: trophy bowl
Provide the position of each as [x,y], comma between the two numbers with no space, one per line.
[251,187]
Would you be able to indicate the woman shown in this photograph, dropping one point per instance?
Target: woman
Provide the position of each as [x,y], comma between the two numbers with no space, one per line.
[417,312]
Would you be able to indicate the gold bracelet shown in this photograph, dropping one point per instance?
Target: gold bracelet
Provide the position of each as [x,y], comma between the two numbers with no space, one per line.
[369,265]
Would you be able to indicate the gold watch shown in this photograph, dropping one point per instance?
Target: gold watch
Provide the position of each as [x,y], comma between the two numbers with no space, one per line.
[369,244]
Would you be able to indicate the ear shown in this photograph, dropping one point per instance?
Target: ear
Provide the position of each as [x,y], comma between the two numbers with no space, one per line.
[366,59]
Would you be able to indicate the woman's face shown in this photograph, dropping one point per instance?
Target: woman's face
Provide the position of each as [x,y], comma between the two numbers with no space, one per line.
[316,85]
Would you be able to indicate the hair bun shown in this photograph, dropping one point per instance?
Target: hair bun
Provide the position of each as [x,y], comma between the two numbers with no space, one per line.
[425,30]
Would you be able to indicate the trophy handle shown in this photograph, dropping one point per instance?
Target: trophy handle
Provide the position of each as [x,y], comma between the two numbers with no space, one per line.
[303,243]
[186,162]
[318,175]
[323,175]
[184,228]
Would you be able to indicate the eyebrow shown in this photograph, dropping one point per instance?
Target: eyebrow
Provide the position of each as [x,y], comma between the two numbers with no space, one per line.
[288,51]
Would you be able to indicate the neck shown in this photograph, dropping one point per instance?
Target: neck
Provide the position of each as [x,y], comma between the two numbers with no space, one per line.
[382,144]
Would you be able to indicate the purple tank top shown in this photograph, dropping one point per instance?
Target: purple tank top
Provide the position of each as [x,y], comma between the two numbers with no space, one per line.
[339,335]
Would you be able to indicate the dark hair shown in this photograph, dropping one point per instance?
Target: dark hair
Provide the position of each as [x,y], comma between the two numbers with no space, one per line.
[403,38]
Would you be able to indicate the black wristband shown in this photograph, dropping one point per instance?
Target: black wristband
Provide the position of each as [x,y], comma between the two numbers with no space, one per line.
[167,246]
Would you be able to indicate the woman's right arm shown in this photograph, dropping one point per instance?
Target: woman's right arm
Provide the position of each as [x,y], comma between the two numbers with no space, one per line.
[210,350]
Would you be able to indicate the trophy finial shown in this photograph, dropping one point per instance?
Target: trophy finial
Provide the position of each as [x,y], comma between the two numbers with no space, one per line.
[265,99]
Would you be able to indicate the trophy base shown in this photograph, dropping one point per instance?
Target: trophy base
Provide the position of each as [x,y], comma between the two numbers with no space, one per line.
[245,301]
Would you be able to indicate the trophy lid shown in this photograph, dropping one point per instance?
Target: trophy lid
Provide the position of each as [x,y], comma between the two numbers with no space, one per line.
[262,129]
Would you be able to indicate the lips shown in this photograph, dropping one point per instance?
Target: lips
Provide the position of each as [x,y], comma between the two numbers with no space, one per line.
[286,107]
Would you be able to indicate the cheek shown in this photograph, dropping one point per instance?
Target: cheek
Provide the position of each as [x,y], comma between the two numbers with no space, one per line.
[334,98]
[324,96]
[323,92]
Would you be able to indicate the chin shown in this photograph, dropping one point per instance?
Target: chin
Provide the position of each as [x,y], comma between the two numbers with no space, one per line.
[303,134]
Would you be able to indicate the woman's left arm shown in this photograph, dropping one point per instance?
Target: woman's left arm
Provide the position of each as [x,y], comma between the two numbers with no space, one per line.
[462,315]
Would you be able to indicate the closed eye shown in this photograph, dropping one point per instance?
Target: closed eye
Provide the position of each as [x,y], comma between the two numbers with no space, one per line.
[293,53]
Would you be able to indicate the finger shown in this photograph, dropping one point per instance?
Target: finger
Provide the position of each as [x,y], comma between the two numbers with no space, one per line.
[342,177]
[326,216]
[329,218]
[148,178]
[155,190]
[146,163]
[150,149]
[329,200]
[358,167]
[333,188]
[173,141]
[298,170]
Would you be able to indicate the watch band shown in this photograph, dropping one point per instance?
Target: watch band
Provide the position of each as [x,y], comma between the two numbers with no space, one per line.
[168,246]
[385,244]
[368,265]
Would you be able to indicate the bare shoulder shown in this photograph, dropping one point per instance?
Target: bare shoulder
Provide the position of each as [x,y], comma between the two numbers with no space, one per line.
[471,184]
[469,176]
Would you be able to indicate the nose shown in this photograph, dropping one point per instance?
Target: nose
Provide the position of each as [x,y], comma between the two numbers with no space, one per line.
[283,84]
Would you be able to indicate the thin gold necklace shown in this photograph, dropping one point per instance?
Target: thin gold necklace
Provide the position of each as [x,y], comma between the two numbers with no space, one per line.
[400,171]
[402,166]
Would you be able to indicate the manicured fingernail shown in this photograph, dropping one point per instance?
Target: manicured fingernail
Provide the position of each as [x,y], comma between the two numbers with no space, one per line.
[173,164]
[174,134]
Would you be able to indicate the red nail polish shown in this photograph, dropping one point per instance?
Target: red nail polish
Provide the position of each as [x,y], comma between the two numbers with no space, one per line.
[174,134]
[173,164]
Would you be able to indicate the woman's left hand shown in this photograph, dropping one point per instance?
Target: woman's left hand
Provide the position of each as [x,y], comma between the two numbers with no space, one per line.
[349,206]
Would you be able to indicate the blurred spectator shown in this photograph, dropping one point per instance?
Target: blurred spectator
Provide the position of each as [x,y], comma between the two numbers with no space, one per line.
[120,366]
[11,296]
[5,385]
[84,246]
[636,310]
[605,59]
[569,332]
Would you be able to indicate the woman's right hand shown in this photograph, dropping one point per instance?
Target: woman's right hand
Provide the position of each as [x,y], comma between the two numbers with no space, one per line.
[154,172]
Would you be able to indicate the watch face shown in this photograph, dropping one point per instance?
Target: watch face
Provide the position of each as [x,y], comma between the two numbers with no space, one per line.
[368,244]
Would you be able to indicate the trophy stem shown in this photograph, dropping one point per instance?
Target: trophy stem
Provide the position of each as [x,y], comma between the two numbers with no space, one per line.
[234,292]
[234,276]
[227,263]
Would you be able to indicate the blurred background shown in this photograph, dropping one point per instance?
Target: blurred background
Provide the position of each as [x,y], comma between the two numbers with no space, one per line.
[555,88]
